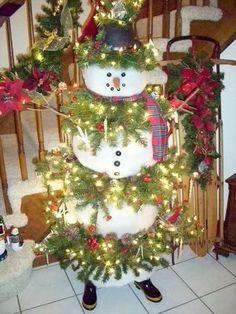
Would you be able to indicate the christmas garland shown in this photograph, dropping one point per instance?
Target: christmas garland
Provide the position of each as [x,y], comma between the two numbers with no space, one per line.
[194,89]
[100,257]
[97,52]
[52,37]
[118,12]
[154,185]
[91,114]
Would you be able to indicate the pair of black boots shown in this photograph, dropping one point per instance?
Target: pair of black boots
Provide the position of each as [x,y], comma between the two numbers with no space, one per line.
[90,295]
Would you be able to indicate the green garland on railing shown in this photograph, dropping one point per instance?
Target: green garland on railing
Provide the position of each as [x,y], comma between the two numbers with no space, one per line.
[195,81]
[49,31]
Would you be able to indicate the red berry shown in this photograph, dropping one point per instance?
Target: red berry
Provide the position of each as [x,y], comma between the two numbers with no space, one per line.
[147,179]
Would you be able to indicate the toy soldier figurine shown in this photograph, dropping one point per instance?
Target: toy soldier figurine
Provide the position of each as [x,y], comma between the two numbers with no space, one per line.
[16,239]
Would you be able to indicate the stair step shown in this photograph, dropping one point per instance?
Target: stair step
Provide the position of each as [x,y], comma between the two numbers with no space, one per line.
[15,271]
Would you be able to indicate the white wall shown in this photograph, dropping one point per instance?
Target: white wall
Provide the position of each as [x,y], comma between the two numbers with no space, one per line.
[229,116]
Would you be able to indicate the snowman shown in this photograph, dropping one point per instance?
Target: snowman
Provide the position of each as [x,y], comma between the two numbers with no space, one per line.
[118,85]
[119,162]
[105,221]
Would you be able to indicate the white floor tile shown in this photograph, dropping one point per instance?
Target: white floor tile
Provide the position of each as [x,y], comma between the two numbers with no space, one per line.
[204,274]
[193,307]
[229,262]
[46,285]
[9,307]
[172,288]
[184,255]
[222,301]
[117,301]
[77,285]
[67,306]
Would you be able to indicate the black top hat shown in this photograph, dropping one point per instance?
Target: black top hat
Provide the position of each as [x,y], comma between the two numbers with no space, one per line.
[120,37]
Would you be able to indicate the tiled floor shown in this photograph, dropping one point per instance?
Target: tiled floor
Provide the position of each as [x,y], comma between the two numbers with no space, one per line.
[194,285]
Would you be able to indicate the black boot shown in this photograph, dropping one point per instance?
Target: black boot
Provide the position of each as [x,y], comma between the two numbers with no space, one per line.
[150,291]
[90,296]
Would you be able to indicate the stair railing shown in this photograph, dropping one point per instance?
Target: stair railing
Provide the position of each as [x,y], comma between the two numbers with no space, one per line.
[206,204]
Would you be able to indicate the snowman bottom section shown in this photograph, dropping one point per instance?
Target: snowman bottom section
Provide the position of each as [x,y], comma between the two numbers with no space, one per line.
[129,277]
[123,220]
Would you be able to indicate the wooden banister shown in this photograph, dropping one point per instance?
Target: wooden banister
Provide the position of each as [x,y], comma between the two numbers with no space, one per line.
[17,116]
[3,179]
[166,19]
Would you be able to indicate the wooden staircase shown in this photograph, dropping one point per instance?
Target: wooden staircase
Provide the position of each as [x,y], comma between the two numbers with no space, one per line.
[224,31]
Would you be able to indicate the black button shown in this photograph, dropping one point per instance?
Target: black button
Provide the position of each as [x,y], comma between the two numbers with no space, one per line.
[123,74]
[107,84]
[118,153]
[117,163]
[116,173]
[112,88]
[123,85]
[109,74]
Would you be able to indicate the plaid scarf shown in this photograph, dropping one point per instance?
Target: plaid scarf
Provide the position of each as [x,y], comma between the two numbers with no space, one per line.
[157,122]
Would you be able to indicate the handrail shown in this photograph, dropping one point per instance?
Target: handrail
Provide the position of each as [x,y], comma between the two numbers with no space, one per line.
[216,49]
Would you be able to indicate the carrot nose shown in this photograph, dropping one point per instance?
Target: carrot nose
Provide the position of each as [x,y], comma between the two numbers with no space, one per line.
[116,82]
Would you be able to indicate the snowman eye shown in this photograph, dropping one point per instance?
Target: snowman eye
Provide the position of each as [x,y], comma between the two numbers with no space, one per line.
[109,74]
[123,74]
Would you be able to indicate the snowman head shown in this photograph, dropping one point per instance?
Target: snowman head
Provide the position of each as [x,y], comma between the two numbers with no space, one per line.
[115,82]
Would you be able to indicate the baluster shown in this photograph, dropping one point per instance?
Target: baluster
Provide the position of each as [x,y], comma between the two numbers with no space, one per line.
[193,2]
[220,163]
[17,115]
[166,19]
[150,19]
[178,21]
[206,2]
[3,177]
[76,79]
[60,118]
[38,114]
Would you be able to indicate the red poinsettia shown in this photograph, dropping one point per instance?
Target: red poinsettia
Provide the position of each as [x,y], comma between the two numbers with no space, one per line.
[40,81]
[12,96]
[198,79]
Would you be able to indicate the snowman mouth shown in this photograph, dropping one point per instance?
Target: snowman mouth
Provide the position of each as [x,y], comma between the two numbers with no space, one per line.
[112,89]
